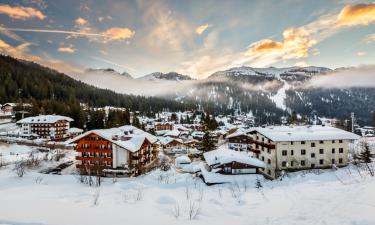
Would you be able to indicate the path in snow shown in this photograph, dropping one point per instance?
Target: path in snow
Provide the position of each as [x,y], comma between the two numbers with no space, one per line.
[280,96]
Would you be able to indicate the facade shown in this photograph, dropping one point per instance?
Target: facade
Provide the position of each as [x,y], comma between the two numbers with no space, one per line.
[163,126]
[52,127]
[8,107]
[225,161]
[125,150]
[173,145]
[302,147]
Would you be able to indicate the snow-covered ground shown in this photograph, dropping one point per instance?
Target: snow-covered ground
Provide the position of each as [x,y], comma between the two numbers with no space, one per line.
[342,197]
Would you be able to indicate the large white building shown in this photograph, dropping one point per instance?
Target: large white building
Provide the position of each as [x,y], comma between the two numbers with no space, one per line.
[52,127]
[290,148]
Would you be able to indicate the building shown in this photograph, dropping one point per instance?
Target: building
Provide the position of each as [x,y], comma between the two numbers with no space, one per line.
[124,150]
[53,127]
[74,132]
[8,107]
[173,145]
[226,161]
[163,126]
[239,141]
[291,148]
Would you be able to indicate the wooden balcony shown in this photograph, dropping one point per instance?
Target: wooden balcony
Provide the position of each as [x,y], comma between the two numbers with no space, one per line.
[93,150]
[86,166]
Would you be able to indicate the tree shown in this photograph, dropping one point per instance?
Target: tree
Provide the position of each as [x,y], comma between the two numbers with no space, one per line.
[366,156]
[174,117]
[207,142]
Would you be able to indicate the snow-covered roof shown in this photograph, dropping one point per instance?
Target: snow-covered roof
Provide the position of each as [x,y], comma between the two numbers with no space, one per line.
[167,140]
[74,130]
[224,156]
[305,133]
[182,160]
[238,132]
[45,119]
[173,133]
[134,137]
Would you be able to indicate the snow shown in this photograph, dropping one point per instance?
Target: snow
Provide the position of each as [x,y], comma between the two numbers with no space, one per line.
[45,119]
[183,159]
[334,197]
[224,156]
[280,96]
[305,133]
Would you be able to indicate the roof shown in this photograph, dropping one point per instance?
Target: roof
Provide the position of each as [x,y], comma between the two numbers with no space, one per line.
[224,156]
[305,133]
[74,130]
[173,133]
[136,137]
[167,140]
[45,119]
[236,134]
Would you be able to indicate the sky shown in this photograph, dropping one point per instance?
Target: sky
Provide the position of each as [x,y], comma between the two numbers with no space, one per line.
[196,37]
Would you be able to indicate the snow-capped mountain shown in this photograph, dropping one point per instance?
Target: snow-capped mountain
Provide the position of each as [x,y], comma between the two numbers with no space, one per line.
[171,76]
[289,73]
[109,71]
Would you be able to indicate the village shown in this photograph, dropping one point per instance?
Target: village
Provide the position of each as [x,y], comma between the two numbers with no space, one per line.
[215,149]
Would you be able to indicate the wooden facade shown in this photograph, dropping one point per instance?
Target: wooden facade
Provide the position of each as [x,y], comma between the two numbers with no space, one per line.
[163,126]
[237,168]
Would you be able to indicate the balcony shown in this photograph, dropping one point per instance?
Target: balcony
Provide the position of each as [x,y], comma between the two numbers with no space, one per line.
[90,158]
[93,150]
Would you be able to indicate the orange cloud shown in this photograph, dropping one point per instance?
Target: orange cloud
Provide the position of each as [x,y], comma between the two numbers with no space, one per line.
[66,49]
[117,33]
[22,13]
[199,30]
[80,21]
[360,14]
[296,44]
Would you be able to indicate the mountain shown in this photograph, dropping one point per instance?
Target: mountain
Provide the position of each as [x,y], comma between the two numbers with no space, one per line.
[109,71]
[171,76]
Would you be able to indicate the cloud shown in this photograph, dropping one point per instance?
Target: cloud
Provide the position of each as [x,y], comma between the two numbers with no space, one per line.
[112,34]
[295,45]
[371,38]
[117,33]
[21,13]
[66,49]
[360,14]
[199,30]
[80,21]
[362,76]
[361,53]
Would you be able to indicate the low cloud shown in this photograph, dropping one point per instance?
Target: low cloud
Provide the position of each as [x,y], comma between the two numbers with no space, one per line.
[199,30]
[80,21]
[363,76]
[117,34]
[360,14]
[21,13]
[66,49]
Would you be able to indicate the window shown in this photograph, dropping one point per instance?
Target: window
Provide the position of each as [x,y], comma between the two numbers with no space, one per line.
[302,162]
[333,161]
[284,152]
[292,152]
[283,164]
[291,164]
[340,141]
[321,151]
[263,158]
[321,162]
[341,150]
[333,141]
[269,172]
[333,151]
[312,165]
[321,142]
[340,160]
[303,152]
[313,144]
[302,142]
[312,155]
[291,143]
[269,161]
[268,151]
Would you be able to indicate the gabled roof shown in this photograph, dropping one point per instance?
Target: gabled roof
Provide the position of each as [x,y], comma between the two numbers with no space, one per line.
[305,133]
[45,119]
[225,156]
[134,142]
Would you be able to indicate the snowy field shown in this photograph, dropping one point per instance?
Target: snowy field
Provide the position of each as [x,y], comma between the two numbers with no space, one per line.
[342,197]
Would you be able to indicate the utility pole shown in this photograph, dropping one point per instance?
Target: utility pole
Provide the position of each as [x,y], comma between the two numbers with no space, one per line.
[352,117]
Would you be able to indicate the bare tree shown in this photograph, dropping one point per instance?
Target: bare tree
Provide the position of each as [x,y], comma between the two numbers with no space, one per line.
[176,210]
[20,168]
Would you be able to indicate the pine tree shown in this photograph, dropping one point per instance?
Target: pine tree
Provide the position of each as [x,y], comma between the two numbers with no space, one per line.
[366,156]
[207,142]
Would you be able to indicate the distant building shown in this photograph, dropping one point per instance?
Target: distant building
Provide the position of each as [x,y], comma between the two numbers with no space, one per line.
[301,147]
[239,141]
[74,132]
[125,150]
[8,107]
[163,126]
[52,127]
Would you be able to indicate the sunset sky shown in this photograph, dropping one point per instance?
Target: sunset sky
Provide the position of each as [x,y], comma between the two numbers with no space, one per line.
[195,37]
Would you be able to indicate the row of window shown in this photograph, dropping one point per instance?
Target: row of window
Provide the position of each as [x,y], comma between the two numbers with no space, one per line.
[96,154]
[97,163]
[313,143]
[303,152]
[303,163]
[100,146]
